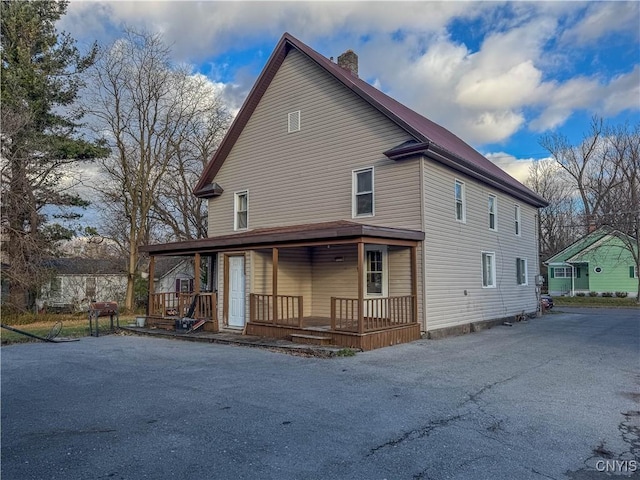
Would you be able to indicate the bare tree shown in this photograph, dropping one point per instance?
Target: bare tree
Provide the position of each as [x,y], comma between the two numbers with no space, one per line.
[559,223]
[604,171]
[149,110]
[622,206]
[589,164]
[181,215]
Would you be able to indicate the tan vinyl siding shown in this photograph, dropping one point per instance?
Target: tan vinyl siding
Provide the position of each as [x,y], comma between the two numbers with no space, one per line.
[294,274]
[306,176]
[399,271]
[333,279]
[453,253]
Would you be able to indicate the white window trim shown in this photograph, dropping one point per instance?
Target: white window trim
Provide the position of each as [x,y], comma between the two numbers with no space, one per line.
[564,272]
[289,117]
[354,193]
[385,271]
[517,221]
[493,270]
[526,272]
[463,192]
[235,209]
[494,213]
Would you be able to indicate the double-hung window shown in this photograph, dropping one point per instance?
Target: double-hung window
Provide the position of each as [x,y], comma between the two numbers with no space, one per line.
[488,269]
[517,219]
[241,211]
[461,214]
[521,271]
[363,200]
[493,212]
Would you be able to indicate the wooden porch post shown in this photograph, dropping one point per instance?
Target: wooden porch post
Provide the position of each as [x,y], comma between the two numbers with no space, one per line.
[274,283]
[196,273]
[360,287]
[152,274]
[414,281]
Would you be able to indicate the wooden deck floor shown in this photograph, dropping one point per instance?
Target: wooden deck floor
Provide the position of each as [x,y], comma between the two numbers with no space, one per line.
[322,326]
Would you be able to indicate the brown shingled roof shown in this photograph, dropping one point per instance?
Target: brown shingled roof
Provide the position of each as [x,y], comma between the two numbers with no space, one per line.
[432,140]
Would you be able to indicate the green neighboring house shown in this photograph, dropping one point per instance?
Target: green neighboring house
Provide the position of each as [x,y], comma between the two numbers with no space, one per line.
[599,262]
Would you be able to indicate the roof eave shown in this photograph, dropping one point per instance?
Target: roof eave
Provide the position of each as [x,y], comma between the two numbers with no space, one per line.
[447,158]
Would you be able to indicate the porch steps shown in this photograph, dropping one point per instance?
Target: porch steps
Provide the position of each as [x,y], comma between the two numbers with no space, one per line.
[310,339]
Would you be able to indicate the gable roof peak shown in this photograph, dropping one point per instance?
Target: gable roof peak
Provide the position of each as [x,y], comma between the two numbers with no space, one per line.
[440,144]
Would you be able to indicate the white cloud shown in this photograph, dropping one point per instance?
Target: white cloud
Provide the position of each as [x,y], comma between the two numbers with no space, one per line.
[518,168]
[483,94]
[602,19]
[582,93]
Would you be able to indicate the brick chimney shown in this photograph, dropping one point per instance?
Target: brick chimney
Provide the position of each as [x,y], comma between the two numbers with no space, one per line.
[349,61]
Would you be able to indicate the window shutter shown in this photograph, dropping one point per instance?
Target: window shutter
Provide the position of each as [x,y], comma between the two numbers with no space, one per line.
[177,287]
[632,271]
[551,270]
[578,272]
[191,285]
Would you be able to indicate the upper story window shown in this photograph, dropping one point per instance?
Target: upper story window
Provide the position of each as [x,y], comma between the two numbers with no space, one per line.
[488,269]
[241,210]
[521,271]
[461,213]
[363,201]
[633,271]
[293,122]
[493,212]
[517,219]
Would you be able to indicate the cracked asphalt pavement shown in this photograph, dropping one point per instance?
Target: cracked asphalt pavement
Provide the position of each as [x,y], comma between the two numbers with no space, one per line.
[551,398]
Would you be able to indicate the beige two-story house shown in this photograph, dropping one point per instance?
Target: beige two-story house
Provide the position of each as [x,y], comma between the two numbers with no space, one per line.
[339,215]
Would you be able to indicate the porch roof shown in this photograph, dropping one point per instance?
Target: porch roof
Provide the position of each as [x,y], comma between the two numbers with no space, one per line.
[295,235]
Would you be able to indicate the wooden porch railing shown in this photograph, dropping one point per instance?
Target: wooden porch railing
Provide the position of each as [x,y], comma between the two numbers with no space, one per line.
[289,309]
[166,304]
[379,313]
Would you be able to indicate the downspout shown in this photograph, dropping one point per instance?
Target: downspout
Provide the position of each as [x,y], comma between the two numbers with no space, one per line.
[422,270]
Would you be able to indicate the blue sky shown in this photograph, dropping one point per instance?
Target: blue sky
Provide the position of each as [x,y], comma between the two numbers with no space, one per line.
[497,74]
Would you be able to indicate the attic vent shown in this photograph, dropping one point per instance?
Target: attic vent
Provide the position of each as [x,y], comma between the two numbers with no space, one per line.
[294,121]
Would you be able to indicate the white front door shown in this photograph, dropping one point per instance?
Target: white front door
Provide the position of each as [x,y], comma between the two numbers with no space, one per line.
[376,280]
[236,291]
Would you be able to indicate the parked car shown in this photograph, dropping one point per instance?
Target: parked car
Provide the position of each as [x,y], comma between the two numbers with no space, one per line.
[547,301]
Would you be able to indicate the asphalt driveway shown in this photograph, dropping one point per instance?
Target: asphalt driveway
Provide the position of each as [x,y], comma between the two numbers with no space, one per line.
[554,397]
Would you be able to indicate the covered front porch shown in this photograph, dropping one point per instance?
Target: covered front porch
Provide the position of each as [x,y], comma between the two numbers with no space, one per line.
[342,284]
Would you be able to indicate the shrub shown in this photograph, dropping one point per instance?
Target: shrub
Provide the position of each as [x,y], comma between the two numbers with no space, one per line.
[607,294]
[345,352]
[580,294]
[621,294]
[593,294]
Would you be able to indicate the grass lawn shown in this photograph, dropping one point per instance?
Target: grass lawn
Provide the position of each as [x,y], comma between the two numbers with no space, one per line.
[595,302]
[73,326]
